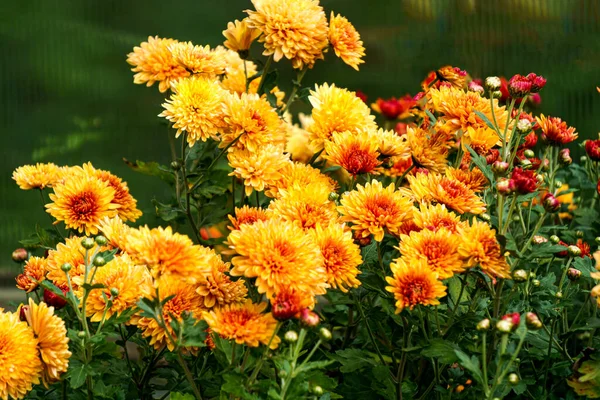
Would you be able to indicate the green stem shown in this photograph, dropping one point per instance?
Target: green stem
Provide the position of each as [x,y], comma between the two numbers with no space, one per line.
[455,308]
[260,362]
[297,84]
[264,74]
[188,192]
[402,365]
[535,231]
[49,216]
[511,209]
[371,336]
[400,179]
[504,135]
[188,375]
[486,388]
[380,256]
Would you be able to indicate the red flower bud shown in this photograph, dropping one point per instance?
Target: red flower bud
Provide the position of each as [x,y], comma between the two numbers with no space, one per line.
[20,255]
[530,141]
[492,156]
[525,180]
[564,156]
[592,148]
[285,305]
[500,167]
[537,82]
[534,99]
[53,300]
[476,87]
[392,108]
[532,321]
[519,86]
[550,203]
[401,128]
[513,318]
[361,96]
[22,311]
[309,318]
[573,274]
[505,186]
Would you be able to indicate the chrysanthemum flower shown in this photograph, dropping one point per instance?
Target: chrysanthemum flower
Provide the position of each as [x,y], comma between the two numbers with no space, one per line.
[345,40]
[185,300]
[294,29]
[168,253]
[115,231]
[33,273]
[435,188]
[355,152]
[301,175]
[245,323]
[53,343]
[288,303]
[414,283]
[297,143]
[480,247]
[337,110]
[399,166]
[247,215]
[373,209]
[474,179]
[428,149]
[434,217]
[392,145]
[556,131]
[196,107]
[453,75]
[132,282]
[239,35]
[69,252]
[153,62]
[341,255]
[252,121]
[198,59]
[81,202]
[259,169]
[481,140]
[438,248]
[21,366]
[306,206]
[217,288]
[394,108]
[37,176]
[278,254]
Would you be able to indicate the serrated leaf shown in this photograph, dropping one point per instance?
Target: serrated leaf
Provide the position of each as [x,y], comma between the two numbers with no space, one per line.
[443,350]
[369,254]
[167,212]
[153,169]
[471,364]
[314,365]
[78,374]
[354,359]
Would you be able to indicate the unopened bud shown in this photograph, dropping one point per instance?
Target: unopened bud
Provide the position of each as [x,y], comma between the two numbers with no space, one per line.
[558,295]
[499,167]
[525,163]
[529,153]
[309,318]
[573,251]
[291,337]
[516,218]
[532,321]
[66,267]
[538,239]
[579,234]
[325,334]
[283,373]
[99,261]
[564,157]
[176,165]
[545,164]
[573,274]
[54,300]
[493,83]
[536,283]
[505,186]
[550,203]
[496,94]
[584,335]
[101,240]
[486,217]
[519,275]
[87,243]
[555,239]
[524,126]
[513,318]
[504,326]
[558,184]
[20,255]
[114,292]
[333,196]
[81,334]
[317,390]
[583,159]
[22,312]
[483,325]
[597,240]
[513,379]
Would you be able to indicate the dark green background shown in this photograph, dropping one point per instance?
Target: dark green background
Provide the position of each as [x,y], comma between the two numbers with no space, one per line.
[67,94]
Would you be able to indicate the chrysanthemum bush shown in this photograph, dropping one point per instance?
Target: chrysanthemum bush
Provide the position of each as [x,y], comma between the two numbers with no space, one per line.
[439,246]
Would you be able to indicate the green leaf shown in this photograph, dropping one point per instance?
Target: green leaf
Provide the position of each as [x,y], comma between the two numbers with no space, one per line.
[234,384]
[369,254]
[46,284]
[153,169]
[148,308]
[314,365]
[354,359]
[181,396]
[486,120]
[481,163]
[471,364]
[194,332]
[443,350]
[167,212]
[454,285]
[108,255]
[431,117]
[78,372]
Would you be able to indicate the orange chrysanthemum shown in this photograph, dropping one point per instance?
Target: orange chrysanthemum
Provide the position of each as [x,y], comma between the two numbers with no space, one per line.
[414,283]
[115,231]
[81,202]
[298,143]
[294,29]
[153,62]
[341,255]
[355,152]
[53,342]
[300,175]
[288,303]
[37,176]
[438,248]
[435,188]
[373,209]
[245,323]
[71,252]
[21,366]
[247,215]
[198,59]
[434,217]
[453,75]
[479,246]
[428,149]
[345,40]
[399,166]
[392,145]
[239,35]
[196,107]
[278,254]
[259,169]
[33,273]
[217,288]
[337,110]
[481,140]
[473,179]
[556,131]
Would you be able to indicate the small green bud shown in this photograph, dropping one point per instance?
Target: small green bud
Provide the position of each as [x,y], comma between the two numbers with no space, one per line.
[528,153]
[597,240]
[525,163]
[573,251]
[558,184]
[486,217]
[87,243]
[583,159]
[584,335]
[504,326]
[554,239]
[325,334]
[333,196]
[317,390]
[99,261]
[66,267]
[114,292]
[496,94]
[176,165]
[475,337]
[559,295]
[101,240]
[81,334]
[519,275]
[291,337]
[483,325]
[283,373]
[513,379]
[536,283]
[516,218]
[579,234]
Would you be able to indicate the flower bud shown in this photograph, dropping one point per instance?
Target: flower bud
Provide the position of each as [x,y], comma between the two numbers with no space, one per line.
[555,239]
[573,251]
[309,318]
[525,163]
[513,318]
[519,275]
[81,334]
[597,240]
[558,295]
[22,312]
[497,94]
[536,283]
[558,184]
[499,167]
[579,234]
[291,337]
[564,157]
[550,203]
[519,86]
[99,261]
[20,255]
[492,83]
[176,165]
[333,196]
[538,239]
[504,326]
[101,240]
[537,82]
[476,87]
[545,164]
[317,390]
[516,218]
[486,217]
[505,186]
[459,388]
[282,373]
[325,334]
[584,336]
[583,159]
[483,325]
[529,153]
[532,321]
[513,379]
[87,243]
[524,126]
[66,267]
[54,300]
[573,274]
[114,292]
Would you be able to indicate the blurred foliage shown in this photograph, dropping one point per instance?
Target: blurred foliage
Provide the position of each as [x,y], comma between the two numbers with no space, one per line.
[67,94]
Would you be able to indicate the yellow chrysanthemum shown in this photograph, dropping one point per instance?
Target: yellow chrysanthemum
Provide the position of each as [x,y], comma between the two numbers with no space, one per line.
[217,288]
[392,145]
[153,62]
[185,300]
[247,215]
[294,29]
[20,365]
[438,248]
[70,252]
[428,149]
[131,281]
[239,35]
[458,108]
[437,216]
[301,175]
[37,176]
[341,255]
[373,209]
[246,323]
[337,110]
[435,188]
[81,202]
[252,121]
[297,144]
[479,246]
[196,107]
[115,231]
[53,343]
[278,254]
[473,179]
[307,206]
[33,273]
[355,152]
[345,40]
[168,253]
[198,59]
[414,283]
[259,169]
[481,139]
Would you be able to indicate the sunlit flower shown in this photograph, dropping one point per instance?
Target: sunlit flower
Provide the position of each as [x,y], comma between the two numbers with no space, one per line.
[474,179]
[37,176]
[21,366]
[153,62]
[258,169]
[198,59]
[435,188]
[414,283]
[294,29]
[115,231]
[341,255]
[435,217]
[453,75]
[392,145]
[81,202]
[246,323]
[53,343]
[217,288]
[480,139]
[428,149]
[355,152]
[239,35]
[247,215]
[345,41]
[438,248]
[336,110]
[373,209]
[556,131]
[278,254]
[298,174]
[70,252]
[195,107]
[480,247]
[33,273]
